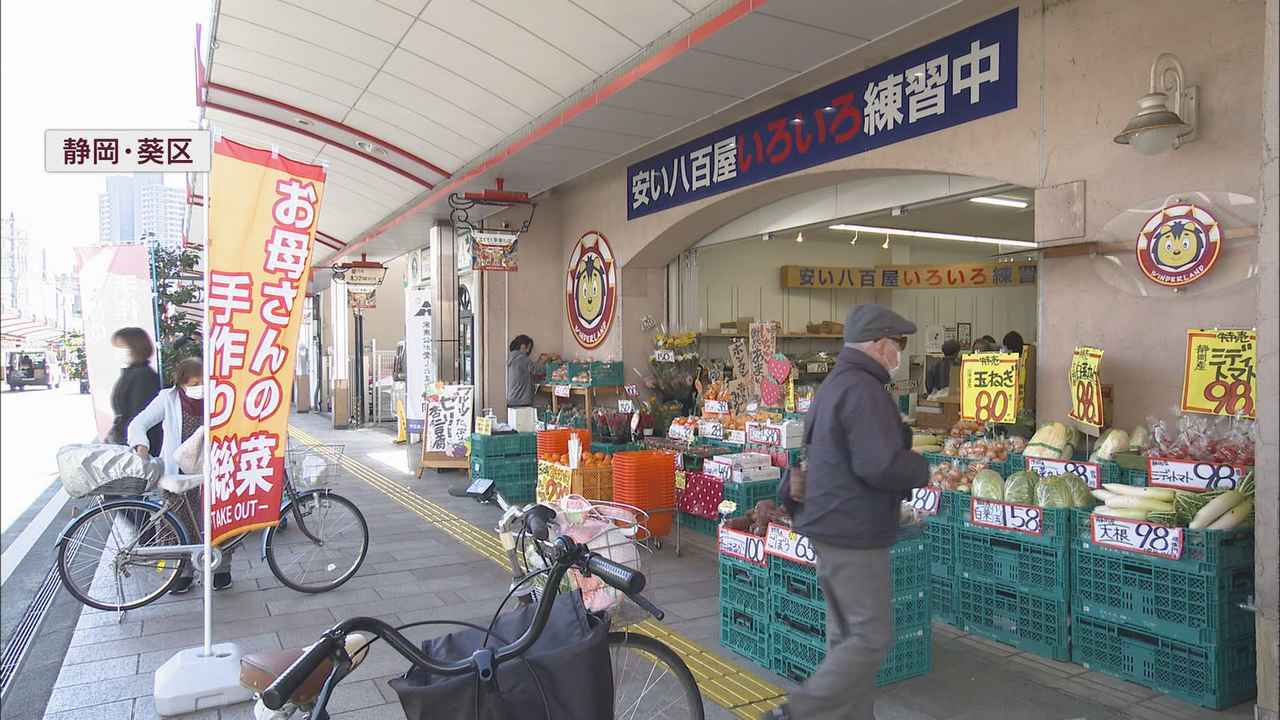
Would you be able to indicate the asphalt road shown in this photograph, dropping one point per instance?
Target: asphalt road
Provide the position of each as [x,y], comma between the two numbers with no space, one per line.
[34,423]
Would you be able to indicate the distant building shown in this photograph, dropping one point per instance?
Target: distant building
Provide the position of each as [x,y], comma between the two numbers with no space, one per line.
[164,212]
[140,206]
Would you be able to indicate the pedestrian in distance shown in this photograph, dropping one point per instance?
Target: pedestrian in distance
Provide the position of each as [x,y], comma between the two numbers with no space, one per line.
[1013,342]
[136,387]
[859,467]
[180,411]
[939,376]
[986,343]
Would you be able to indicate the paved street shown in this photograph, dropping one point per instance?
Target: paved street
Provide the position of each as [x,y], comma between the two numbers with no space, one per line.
[34,423]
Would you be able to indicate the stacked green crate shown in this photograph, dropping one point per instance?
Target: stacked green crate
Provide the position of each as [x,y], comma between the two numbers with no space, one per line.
[744,609]
[1187,614]
[747,494]
[940,529]
[797,629]
[1014,587]
[510,460]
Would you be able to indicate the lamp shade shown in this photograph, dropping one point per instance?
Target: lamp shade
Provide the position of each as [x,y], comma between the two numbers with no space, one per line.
[1154,127]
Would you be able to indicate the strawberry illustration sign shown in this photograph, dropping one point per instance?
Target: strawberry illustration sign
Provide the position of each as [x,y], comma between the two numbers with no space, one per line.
[591,290]
[1179,245]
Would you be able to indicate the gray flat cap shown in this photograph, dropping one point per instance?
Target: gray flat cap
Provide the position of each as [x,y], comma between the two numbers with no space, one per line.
[872,322]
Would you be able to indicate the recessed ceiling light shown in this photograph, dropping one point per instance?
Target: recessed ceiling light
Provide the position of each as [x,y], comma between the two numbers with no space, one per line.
[303,122]
[799,237]
[797,120]
[365,145]
[1002,202]
[933,235]
[828,109]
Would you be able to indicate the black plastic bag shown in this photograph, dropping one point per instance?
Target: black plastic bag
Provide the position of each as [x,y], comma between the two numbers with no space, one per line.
[566,675]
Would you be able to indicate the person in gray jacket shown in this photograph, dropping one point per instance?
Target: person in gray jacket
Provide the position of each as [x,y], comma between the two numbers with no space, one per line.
[859,467]
[520,372]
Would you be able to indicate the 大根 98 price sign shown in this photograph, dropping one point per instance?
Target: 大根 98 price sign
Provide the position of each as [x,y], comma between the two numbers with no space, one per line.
[989,388]
[1085,383]
[1221,372]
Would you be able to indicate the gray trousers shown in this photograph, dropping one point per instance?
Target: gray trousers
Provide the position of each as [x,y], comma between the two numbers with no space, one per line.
[859,635]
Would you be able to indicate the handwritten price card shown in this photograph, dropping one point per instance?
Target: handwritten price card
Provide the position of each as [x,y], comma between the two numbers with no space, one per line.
[1086,471]
[484,426]
[785,543]
[743,546]
[1191,475]
[1137,536]
[1085,383]
[926,500]
[1006,516]
[989,389]
[561,391]
[715,407]
[683,433]
[1221,372]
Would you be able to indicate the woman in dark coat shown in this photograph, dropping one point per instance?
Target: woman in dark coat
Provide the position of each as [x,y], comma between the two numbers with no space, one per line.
[136,388]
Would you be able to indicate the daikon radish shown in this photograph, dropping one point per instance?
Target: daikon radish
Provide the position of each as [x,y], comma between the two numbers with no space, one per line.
[1216,509]
[1161,494]
[1139,503]
[1234,517]
[1127,513]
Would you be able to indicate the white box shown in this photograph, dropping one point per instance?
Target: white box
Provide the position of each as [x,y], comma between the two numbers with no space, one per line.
[523,419]
[757,473]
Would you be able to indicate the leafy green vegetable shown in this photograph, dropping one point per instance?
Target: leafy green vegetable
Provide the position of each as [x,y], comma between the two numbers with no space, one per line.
[988,484]
[1080,495]
[1020,487]
[1053,492]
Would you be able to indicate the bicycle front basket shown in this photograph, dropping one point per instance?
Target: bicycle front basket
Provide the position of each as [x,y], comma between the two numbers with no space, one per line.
[566,674]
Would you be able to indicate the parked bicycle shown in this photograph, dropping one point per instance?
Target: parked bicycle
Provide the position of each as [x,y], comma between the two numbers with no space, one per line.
[649,680]
[125,553]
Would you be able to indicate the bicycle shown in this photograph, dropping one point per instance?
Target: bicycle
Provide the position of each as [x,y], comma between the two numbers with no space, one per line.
[302,680]
[123,554]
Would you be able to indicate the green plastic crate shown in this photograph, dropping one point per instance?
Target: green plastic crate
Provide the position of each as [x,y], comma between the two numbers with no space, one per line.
[942,541]
[1057,527]
[796,656]
[809,618]
[789,578]
[518,490]
[504,445]
[747,494]
[1013,616]
[1213,676]
[744,585]
[606,374]
[984,555]
[610,448]
[746,634]
[942,598]
[908,566]
[700,525]
[953,508]
[1203,551]
[1180,604]
[1004,467]
[492,468]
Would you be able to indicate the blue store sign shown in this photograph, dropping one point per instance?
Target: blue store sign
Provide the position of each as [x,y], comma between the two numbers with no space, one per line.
[962,77]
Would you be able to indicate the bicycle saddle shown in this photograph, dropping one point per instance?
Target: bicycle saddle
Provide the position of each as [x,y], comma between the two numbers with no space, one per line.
[258,670]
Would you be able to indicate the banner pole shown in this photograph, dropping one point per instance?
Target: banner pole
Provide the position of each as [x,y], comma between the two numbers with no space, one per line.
[207,495]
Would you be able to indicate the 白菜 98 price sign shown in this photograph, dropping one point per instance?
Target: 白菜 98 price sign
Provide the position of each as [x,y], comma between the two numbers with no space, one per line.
[989,388]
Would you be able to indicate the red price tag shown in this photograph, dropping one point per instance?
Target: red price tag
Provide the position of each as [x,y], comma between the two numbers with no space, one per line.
[1192,476]
[743,546]
[1006,516]
[1137,536]
[1089,472]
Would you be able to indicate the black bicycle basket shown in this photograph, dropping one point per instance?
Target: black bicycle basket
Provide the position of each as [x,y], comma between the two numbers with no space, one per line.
[565,675]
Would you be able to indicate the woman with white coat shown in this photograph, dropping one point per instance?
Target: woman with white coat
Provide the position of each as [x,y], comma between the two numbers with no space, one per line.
[179,411]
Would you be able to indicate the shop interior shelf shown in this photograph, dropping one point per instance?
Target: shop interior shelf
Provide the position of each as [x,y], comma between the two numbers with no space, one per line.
[1213,676]
[1013,616]
[983,555]
[1203,551]
[1180,604]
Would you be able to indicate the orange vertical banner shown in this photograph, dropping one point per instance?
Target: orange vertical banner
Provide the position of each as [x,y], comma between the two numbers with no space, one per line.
[262,224]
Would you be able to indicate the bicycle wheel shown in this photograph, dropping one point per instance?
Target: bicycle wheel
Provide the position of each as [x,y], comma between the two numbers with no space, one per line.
[650,680]
[314,567]
[97,566]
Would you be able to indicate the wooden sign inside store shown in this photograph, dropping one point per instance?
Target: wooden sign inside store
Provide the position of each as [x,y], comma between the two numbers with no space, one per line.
[910,277]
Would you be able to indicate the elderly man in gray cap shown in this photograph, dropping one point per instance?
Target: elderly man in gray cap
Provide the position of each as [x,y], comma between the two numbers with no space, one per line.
[859,466]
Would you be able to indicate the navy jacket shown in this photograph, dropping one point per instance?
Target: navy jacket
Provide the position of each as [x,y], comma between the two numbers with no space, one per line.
[859,458]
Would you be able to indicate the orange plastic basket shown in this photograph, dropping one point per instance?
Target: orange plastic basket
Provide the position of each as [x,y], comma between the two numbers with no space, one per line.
[646,479]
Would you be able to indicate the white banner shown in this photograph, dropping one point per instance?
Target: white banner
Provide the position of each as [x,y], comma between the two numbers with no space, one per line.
[419,368]
[448,419]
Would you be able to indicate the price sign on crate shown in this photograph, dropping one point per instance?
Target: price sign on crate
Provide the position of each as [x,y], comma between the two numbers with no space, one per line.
[626,406]
[721,471]
[785,543]
[1137,536]
[631,390]
[711,429]
[681,478]
[664,356]
[736,437]
[1089,472]
[926,500]
[683,433]
[715,407]
[561,391]
[1006,516]
[1192,476]
[816,368]
[743,546]
[484,425]
[761,434]
[803,402]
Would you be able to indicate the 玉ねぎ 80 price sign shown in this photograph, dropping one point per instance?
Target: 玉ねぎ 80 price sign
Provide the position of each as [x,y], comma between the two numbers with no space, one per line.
[989,389]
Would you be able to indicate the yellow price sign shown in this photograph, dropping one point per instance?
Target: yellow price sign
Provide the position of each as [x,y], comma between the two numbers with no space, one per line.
[989,387]
[1085,382]
[1221,372]
[484,425]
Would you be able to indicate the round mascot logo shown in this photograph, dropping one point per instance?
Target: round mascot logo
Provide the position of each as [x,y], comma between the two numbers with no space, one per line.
[1178,245]
[591,290]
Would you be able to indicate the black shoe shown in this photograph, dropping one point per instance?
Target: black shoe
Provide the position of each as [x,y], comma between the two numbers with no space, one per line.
[181,587]
[782,712]
[221,581]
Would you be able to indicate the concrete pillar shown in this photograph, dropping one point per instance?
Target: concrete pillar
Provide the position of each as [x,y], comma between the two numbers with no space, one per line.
[1268,455]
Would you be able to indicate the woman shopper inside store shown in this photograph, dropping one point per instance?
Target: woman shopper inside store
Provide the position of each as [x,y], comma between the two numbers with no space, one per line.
[180,411]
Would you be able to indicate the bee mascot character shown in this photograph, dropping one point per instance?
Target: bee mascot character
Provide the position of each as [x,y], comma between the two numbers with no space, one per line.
[590,281]
[1178,244]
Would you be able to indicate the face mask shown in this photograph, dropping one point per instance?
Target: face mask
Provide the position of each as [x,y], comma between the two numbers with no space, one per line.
[897,364]
[195,392]
[125,355]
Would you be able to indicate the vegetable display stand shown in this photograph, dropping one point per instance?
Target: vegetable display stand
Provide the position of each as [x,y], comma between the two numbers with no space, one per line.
[747,494]
[1000,557]
[487,467]
[1213,676]
[745,633]
[503,445]
[700,525]
[515,480]
[809,618]
[1013,616]
[744,585]
[555,481]
[941,537]
[1056,527]
[942,599]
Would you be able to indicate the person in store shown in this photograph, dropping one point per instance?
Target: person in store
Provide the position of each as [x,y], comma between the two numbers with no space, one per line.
[986,343]
[180,411]
[1013,342]
[939,376]
[859,467]
[520,372]
[135,388]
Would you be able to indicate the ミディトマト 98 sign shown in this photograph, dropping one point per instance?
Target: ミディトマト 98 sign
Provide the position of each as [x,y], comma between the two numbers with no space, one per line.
[591,290]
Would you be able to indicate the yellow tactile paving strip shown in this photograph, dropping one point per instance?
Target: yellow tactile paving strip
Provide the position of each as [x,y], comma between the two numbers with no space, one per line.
[729,686]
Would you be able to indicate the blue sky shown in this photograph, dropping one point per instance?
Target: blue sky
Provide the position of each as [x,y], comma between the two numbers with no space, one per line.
[85,64]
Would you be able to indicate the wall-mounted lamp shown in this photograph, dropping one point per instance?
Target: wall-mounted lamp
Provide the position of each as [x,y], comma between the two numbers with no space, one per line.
[854,241]
[799,237]
[1158,126]
[885,246]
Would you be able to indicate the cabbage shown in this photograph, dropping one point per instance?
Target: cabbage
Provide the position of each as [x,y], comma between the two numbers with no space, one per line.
[1054,492]
[1081,496]
[1112,442]
[988,485]
[1020,487]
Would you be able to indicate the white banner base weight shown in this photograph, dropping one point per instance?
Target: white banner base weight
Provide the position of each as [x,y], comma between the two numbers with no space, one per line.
[191,681]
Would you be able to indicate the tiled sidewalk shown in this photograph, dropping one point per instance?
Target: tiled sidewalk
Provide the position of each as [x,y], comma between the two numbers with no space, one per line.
[418,571]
